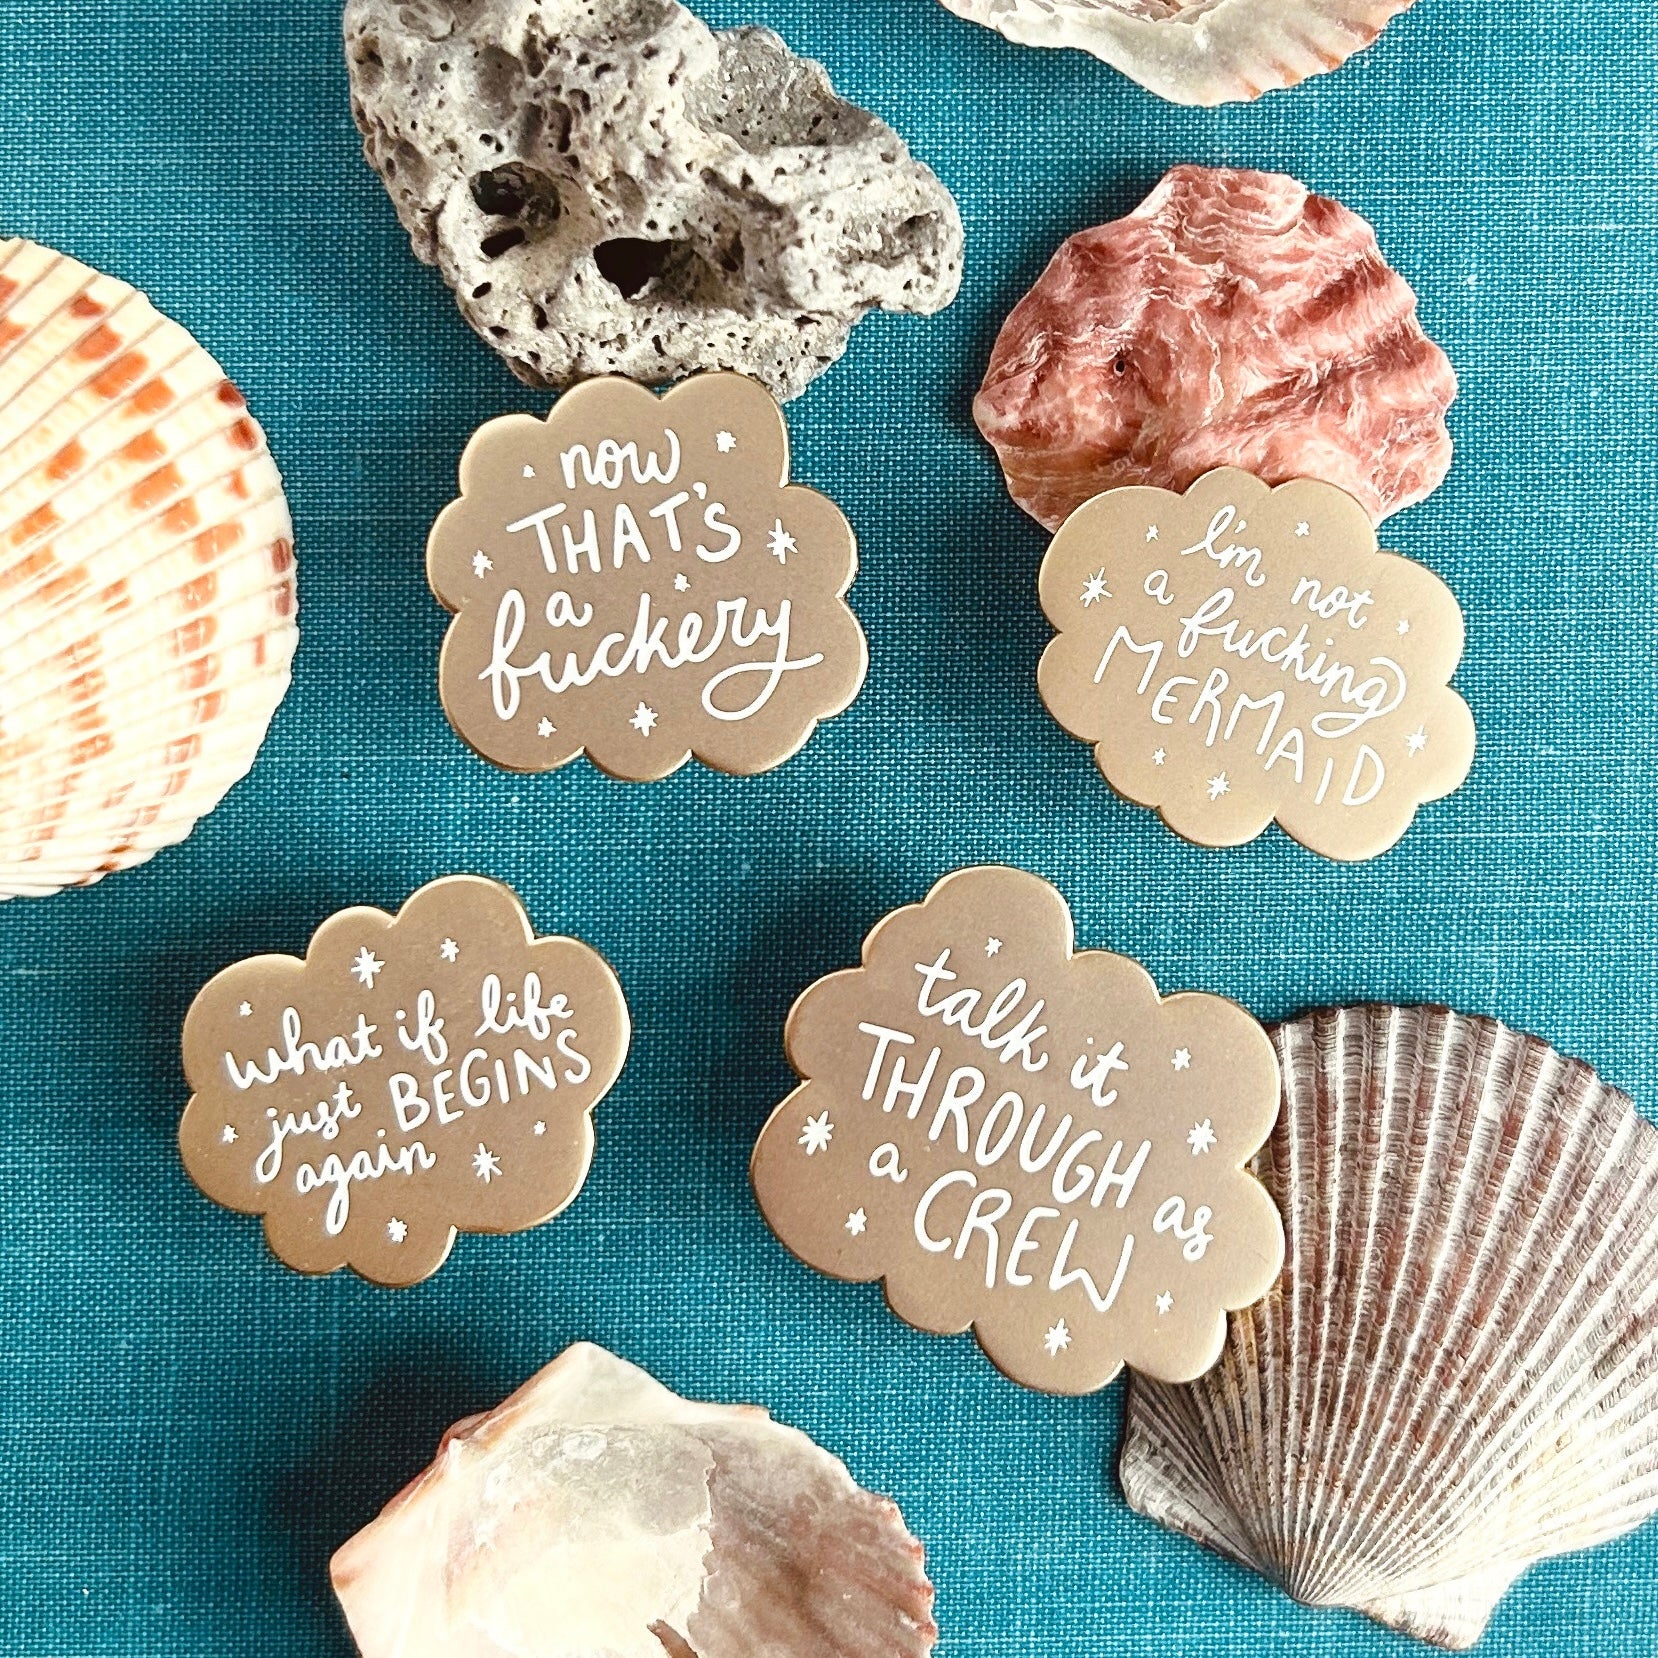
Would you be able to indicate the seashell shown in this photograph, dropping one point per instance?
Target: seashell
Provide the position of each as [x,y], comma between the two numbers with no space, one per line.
[146,577]
[1197,51]
[1455,1375]
[595,1513]
[1232,319]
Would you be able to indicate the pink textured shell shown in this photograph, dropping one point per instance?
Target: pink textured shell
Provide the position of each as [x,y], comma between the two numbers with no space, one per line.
[594,1512]
[1232,319]
[146,577]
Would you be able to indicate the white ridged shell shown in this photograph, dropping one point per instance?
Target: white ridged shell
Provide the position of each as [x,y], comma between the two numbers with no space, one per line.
[1197,51]
[595,1514]
[146,577]
[1457,1374]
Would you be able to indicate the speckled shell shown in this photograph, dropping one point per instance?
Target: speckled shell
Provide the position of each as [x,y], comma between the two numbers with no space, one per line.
[1232,319]
[146,577]
[1197,51]
[596,1513]
[1457,1374]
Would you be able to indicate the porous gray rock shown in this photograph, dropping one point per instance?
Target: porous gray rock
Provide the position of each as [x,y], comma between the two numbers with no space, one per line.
[609,186]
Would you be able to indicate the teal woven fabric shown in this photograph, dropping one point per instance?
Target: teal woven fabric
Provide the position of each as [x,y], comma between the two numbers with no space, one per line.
[188,1428]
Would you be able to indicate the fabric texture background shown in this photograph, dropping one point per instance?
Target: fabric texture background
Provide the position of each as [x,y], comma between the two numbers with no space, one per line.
[189,1428]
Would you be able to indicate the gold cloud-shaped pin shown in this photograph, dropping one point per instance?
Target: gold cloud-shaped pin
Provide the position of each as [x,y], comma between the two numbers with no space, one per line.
[413,1076]
[1240,654]
[635,579]
[1027,1141]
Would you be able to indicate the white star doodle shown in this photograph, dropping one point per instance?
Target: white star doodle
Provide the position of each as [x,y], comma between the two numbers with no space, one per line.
[245,1009]
[780,543]
[643,720]
[1164,1302]
[1057,1340]
[817,1133]
[1417,740]
[397,1230]
[1303,528]
[1151,532]
[1201,1138]
[992,946]
[482,563]
[449,949]
[539,1130]
[856,1222]
[724,442]
[545,727]
[682,583]
[229,1135]
[1094,589]
[485,1163]
[1158,756]
[1404,627]
[1219,786]
[1182,1059]
[366,965]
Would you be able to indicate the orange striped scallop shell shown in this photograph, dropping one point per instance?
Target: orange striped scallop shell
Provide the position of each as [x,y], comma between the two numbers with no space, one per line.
[146,577]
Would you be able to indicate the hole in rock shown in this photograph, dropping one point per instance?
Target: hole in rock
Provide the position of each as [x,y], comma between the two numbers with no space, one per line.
[628,263]
[499,192]
[514,191]
[498,242]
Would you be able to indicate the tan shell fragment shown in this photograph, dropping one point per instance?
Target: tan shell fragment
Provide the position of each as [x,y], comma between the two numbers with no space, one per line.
[1457,1373]
[595,1514]
[146,577]
[1197,51]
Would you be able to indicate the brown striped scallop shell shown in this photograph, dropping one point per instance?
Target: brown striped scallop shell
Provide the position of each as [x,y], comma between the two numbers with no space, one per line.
[1457,1373]
[1232,319]
[595,1512]
[1197,51]
[146,577]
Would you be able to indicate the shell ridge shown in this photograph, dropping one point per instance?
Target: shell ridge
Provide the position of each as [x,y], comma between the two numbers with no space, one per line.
[1353,1046]
[1318,1289]
[1348,1300]
[27,339]
[1500,1330]
[1474,1162]
[1298,1056]
[113,480]
[1540,1405]
[1176,1486]
[175,572]
[100,519]
[1431,1212]
[62,383]
[208,673]
[56,406]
